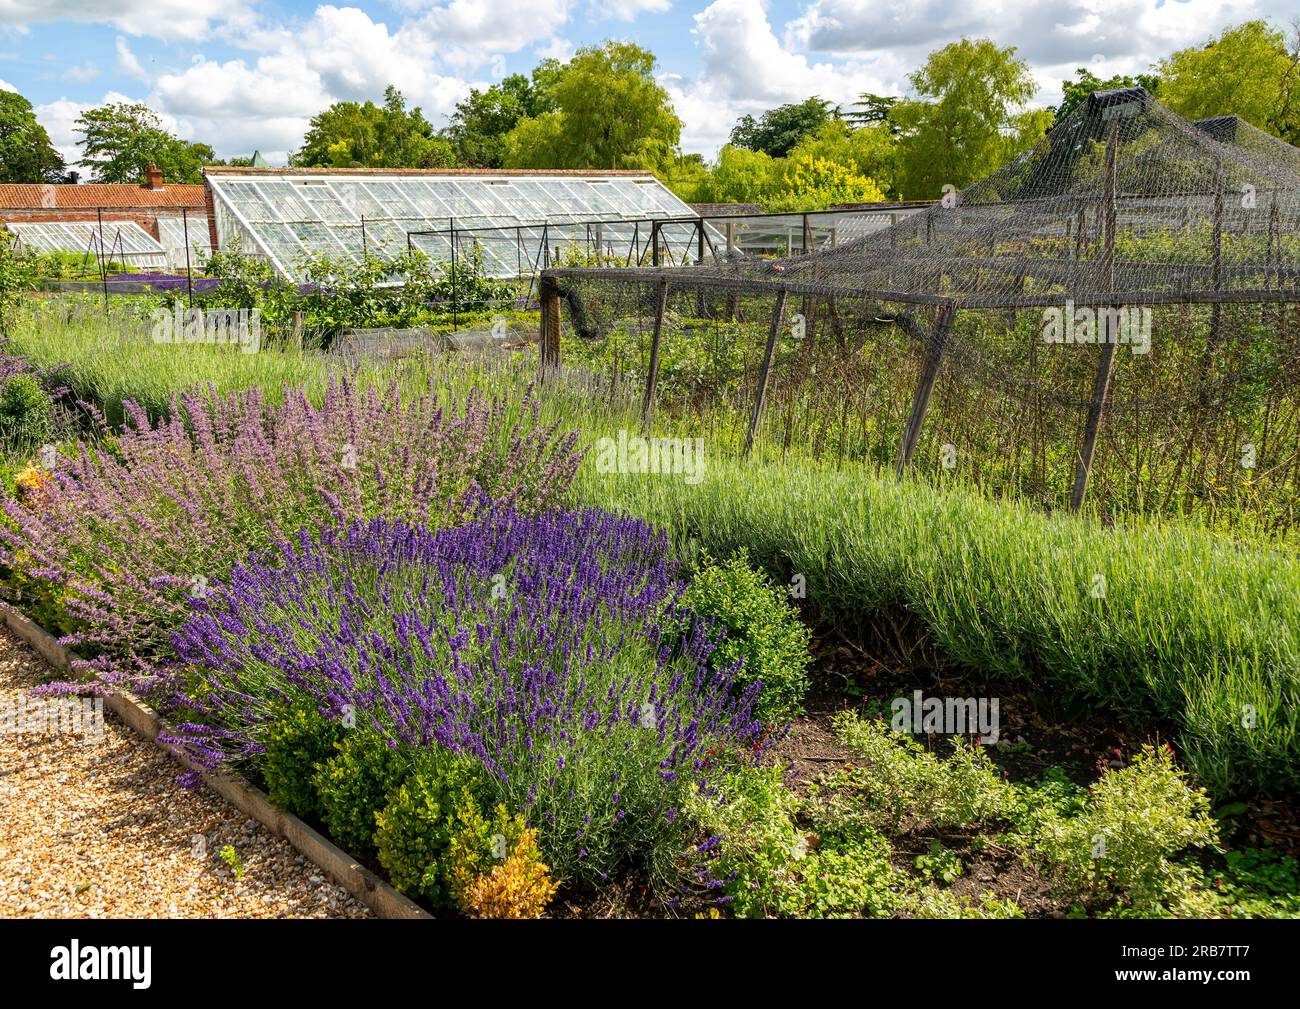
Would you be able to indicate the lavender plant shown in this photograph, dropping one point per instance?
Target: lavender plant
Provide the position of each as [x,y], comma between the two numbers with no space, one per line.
[133,531]
[533,645]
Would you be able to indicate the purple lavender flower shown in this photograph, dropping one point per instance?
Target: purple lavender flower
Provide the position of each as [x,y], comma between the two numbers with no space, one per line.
[527,642]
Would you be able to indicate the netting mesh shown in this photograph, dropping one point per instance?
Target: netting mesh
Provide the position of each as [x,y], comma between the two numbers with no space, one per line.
[1121,299]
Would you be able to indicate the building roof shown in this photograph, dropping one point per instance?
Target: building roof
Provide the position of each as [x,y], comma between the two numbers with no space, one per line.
[88,196]
[586,173]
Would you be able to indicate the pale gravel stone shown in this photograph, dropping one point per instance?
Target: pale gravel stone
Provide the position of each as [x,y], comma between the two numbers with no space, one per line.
[101,829]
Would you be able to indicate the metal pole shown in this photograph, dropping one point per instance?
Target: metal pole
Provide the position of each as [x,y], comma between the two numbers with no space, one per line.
[365,249]
[652,372]
[452,223]
[103,266]
[189,277]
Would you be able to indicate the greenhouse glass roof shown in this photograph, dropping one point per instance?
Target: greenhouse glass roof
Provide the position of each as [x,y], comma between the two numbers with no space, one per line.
[177,234]
[123,240]
[292,214]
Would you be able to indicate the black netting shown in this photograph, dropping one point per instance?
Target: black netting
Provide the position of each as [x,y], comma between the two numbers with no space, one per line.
[1125,292]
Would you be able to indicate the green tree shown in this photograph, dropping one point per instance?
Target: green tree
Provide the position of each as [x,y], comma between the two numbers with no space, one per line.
[366,135]
[870,109]
[742,176]
[813,183]
[778,130]
[603,109]
[120,141]
[26,154]
[1086,82]
[1249,71]
[688,177]
[869,151]
[966,120]
[480,123]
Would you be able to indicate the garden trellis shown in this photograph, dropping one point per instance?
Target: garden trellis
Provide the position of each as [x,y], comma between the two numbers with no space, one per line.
[1117,303]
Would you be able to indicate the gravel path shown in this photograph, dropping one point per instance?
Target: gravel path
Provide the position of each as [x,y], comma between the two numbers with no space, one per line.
[100,829]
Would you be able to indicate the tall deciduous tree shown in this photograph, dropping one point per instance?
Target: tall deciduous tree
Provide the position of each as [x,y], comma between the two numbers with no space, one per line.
[480,123]
[604,109]
[366,135]
[778,130]
[26,154]
[1251,71]
[120,141]
[968,117]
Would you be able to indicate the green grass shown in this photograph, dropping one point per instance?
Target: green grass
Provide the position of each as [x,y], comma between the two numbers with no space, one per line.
[1186,626]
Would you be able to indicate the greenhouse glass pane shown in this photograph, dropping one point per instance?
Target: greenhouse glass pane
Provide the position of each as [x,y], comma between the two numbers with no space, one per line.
[247,199]
[537,194]
[324,202]
[289,199]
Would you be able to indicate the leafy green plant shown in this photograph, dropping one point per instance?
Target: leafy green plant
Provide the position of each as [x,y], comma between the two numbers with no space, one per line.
[230,856]
[414,833]
[296,746]
[1123,843]
[355,784]
[17,276]
[1257,883]
[26,413]
[761,629]
[939,863]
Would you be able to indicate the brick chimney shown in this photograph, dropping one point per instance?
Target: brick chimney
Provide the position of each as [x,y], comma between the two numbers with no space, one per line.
[153,177]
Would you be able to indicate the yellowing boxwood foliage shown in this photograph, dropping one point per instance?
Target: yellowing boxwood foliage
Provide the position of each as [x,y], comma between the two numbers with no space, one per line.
[519,887]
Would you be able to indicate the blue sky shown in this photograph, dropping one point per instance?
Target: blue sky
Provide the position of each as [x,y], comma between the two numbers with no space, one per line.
[245,74]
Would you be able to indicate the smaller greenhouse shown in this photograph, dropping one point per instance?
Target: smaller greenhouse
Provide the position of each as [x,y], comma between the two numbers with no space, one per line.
[121,241]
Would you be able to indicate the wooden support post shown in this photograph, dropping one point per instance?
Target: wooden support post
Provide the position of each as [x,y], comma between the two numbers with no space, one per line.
[652,372]
[760,396]
[1216,261]
[924,386]
[1106,365]
[549,338]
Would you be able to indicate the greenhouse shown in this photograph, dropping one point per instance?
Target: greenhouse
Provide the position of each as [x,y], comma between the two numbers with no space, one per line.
[122,241]
[518,221]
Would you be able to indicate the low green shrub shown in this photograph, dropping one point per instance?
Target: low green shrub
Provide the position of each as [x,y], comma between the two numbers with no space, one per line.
[898,778]
[26,413]
[1122,845]
[354,785]
[298,744]
[762,629]
[414,833]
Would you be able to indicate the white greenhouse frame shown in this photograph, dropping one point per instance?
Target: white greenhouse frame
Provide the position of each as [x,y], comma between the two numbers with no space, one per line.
[287,217]
[125,241]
